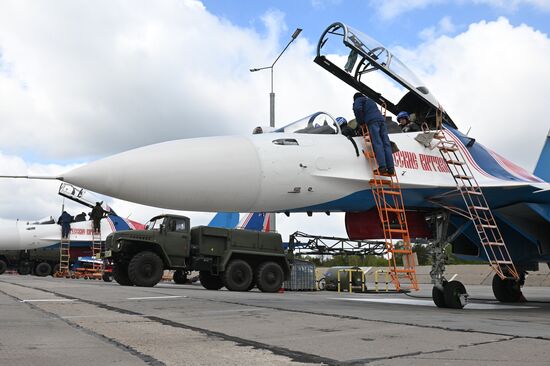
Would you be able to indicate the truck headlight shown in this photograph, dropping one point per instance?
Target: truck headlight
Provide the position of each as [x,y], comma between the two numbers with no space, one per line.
[118,244]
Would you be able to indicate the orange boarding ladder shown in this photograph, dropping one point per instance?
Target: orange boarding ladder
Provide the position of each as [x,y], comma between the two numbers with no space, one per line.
[391,210]
[478,210]
[64,257]
[96,249]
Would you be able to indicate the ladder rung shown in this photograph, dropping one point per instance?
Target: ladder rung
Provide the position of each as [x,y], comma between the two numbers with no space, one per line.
[480,208]
[448,148]
[381,181]
[455,162]
[398,231]
[495,244]
[391,192]
[391,209]
[465,177]
[473,192]
[503,262]
[401,251]
[488,226]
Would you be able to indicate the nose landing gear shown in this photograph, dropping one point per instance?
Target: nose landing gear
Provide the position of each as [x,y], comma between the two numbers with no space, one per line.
[444,294]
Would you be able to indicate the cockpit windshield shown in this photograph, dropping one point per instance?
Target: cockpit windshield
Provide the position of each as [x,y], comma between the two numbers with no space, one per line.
[44,221]
[317,123]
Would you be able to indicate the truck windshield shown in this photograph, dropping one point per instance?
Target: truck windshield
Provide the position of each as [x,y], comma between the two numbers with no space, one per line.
[154,224]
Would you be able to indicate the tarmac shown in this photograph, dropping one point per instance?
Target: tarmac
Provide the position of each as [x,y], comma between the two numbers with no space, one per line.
[49,321]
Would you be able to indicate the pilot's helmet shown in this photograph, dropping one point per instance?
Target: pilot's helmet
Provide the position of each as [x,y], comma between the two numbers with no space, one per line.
[341,121]
[403,114]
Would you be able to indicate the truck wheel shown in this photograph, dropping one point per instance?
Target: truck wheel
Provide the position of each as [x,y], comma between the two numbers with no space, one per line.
[238,275]
[269,277]
[42,269]
[180,277]
[145,269]
[120,274]
[209,281]
[3,266]
[106,277]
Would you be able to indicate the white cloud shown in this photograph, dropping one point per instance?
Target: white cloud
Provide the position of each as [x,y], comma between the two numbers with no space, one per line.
[492,78]
[444,26]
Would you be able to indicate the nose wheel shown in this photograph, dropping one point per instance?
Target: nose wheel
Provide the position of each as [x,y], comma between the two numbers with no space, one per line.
[453,295]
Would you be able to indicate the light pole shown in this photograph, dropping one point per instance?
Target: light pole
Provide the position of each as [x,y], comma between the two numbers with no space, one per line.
[272,94]
[272,224]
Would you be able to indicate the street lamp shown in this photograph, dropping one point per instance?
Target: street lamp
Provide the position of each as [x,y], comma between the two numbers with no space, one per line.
[272,94]
[272,224]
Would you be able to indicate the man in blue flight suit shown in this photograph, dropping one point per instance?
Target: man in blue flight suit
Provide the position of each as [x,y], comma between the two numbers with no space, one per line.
[65,221]
[366,112]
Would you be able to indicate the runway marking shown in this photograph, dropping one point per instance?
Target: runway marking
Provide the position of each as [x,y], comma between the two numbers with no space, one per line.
[153,297]
[52,300]
[430,303]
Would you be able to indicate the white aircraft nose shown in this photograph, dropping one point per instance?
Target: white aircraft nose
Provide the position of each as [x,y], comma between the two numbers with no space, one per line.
[203,174]
[9,235]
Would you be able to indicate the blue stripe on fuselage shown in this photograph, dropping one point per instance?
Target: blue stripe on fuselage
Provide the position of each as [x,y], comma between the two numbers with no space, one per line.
[482,157]
[119,223]
[417,198]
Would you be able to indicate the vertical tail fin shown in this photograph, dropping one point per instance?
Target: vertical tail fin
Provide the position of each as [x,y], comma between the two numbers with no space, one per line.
[257,221]
[542,169]
[228,220]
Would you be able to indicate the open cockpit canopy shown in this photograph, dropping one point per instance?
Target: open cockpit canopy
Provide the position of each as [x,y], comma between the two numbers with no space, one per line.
[370,68]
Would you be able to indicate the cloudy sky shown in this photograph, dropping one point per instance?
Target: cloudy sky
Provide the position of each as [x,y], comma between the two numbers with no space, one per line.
[81,80]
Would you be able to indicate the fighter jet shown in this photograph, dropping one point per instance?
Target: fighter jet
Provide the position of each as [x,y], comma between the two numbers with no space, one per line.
[310,166]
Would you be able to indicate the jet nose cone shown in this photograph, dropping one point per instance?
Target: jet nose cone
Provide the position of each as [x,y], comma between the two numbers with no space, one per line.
[9,235]
[203,174]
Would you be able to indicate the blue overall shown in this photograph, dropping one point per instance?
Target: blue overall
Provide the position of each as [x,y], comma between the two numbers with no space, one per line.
[366,112]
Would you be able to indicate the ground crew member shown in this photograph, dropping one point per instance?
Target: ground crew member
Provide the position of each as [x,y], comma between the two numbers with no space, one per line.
[367,113]
[65,221]
[96,215]
[406,124]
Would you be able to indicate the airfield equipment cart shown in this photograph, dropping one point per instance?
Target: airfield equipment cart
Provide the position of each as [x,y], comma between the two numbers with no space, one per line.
[234,258]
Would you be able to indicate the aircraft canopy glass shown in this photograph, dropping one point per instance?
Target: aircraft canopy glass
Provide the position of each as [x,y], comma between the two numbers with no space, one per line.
[317,123]
[378,54]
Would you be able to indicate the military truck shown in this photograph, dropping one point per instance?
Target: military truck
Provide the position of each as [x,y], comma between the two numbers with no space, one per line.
[234,258]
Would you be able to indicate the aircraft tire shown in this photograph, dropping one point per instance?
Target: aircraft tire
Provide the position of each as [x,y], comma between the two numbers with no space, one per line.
[145,269]
[120,274]
[24,268]
[238,275]
[179,277]
[506,290]
[438,297]
[42,269]
[452,294]
[269,277]
[209,281]
[3,266]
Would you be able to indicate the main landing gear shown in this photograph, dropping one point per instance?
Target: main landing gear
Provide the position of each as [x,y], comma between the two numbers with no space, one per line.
[453,294]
